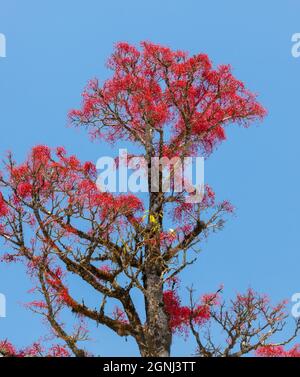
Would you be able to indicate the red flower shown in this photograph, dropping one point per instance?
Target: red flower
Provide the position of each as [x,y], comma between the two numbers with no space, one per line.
[7,348]
[58,351]
[3,207]
[36,304]
[24,190]
[41,153]
[278,351]
[180,316]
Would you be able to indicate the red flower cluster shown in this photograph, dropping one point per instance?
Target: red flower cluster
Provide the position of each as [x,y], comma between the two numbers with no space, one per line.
[278,351]
[36,304]
[7,348]
[3,207]
[159,86]
[54,279]
[36,349]
[180,316]
[119,315]
[24,189]
[46,174]
[59,351]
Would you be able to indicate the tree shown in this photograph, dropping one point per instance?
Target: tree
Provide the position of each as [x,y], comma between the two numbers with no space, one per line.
[55,219]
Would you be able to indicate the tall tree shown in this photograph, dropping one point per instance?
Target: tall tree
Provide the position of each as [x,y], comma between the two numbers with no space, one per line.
[167,104]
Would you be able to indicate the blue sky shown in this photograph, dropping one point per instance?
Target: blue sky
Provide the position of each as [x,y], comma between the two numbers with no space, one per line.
[54,47]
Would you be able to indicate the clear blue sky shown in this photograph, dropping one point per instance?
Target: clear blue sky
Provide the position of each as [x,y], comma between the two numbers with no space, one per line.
[54,47]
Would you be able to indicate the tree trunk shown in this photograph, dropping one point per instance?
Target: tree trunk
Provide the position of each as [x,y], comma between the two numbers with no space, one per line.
[158,335]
